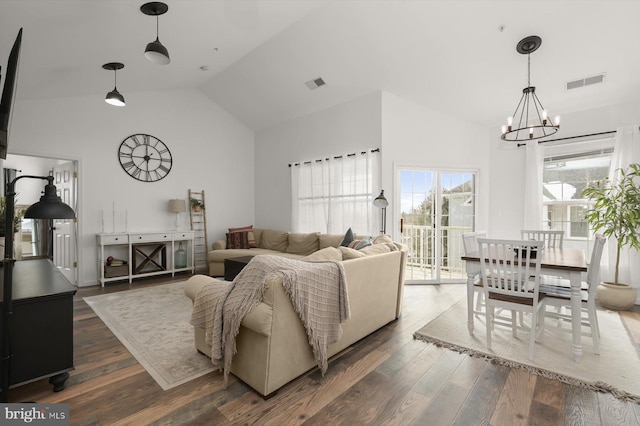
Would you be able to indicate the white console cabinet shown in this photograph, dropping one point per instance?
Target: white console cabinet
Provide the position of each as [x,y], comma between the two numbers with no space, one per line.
[145,254]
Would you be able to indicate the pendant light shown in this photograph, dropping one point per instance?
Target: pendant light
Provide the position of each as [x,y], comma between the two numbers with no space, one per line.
[530,120]
[114,97]
[155,51]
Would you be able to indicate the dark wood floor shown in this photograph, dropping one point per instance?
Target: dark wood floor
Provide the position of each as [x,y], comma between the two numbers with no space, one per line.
[387,378]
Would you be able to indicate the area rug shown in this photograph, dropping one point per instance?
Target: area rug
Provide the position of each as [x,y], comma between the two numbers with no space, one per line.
[615,370]
[153,324]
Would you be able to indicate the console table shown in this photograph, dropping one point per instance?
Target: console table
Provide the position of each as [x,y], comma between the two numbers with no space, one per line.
[41,325]
[146,254]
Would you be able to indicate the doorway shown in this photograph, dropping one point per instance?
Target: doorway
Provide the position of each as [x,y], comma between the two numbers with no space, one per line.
[437,206]
[40,238]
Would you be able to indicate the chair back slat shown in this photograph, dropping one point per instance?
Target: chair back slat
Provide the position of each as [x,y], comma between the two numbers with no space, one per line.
[511,267]
[551,238]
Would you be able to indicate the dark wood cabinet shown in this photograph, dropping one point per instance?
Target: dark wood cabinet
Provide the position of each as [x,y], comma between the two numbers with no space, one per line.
[41,326]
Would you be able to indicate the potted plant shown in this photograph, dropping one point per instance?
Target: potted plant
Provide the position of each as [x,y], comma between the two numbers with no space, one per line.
[196,205]
[616,213]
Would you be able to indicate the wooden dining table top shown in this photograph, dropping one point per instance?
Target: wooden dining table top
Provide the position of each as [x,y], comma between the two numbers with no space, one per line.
[554,258]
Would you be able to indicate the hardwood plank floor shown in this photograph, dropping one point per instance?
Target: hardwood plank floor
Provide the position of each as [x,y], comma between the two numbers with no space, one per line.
[388,378]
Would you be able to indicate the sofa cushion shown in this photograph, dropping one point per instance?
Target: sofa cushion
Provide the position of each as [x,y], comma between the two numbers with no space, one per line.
[375,249]
[250,235]
[327,253]
[349,253]
[237,240]
[274,240]
[329,240]
[348,238]
[386,240]
[303,243]
[360,243]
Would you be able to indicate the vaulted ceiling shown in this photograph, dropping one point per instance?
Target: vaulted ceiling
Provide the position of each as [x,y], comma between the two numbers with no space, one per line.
[457,57]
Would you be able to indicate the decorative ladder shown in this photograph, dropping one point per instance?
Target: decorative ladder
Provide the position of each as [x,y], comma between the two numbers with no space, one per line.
[199,226]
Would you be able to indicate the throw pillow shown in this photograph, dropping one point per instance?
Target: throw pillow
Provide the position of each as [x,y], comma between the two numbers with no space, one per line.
[348,238]
[250,235]
[327,253]
[349,253]
[237,240]
[367,241]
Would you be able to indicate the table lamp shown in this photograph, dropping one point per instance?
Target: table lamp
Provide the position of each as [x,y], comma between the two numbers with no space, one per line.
[177,206]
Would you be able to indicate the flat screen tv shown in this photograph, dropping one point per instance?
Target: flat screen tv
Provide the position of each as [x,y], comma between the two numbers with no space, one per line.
[9,94]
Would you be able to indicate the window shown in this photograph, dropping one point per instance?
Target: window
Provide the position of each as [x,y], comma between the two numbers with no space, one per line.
[334,194]
[565,175]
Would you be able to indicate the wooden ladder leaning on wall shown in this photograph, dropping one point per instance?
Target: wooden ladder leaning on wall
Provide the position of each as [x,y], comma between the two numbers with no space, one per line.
[198,219]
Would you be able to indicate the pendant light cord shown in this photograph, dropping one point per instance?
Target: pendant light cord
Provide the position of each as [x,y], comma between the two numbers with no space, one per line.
[157,28]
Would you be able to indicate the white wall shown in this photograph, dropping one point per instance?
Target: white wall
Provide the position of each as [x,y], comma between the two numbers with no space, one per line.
[28,191]
[212,151]
[415,136]
[507,162]
[345,128]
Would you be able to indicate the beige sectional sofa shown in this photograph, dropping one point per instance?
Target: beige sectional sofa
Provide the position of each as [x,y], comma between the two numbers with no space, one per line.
[272,345]
[270,241]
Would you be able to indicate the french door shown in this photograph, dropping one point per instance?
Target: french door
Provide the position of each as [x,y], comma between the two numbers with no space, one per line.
[436,207]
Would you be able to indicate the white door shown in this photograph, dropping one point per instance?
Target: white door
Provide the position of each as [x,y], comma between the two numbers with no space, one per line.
[436,208]
[65,230]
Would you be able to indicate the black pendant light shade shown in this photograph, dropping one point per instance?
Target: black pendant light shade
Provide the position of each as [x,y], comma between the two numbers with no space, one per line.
[50,206]
[114,97]
[155,51]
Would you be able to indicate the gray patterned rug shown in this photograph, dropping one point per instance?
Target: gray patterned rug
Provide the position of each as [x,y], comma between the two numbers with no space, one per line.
[615,370]
[153,324]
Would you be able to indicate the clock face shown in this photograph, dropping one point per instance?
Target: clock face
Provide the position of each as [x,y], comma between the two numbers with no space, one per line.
[145,157]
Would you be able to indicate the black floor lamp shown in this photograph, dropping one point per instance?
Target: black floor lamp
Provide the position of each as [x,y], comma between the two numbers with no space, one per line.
[381,202]
[50,206]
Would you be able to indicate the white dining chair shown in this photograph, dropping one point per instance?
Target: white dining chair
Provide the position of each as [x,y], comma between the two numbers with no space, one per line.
[558,294]
[510,271]
[470,245]
[551,238]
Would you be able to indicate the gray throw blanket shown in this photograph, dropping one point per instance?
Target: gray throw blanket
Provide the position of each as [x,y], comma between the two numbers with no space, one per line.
[317,290]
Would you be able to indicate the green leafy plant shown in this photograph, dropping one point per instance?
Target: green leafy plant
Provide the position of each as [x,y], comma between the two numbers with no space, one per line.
[16,221]
[616,211]
[196,203]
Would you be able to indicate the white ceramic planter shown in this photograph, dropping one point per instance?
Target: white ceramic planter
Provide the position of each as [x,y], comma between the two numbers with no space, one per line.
[618,297]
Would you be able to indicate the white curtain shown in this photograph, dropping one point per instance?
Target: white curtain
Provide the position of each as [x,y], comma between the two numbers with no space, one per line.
[626,151]
[533,186]
[332,195]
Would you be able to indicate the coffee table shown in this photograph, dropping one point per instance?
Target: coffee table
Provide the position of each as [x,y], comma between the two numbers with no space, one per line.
[234,265]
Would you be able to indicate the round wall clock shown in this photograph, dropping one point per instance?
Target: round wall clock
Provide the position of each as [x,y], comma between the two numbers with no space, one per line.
[145,157]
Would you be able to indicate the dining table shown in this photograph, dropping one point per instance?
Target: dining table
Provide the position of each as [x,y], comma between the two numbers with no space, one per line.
[566,263]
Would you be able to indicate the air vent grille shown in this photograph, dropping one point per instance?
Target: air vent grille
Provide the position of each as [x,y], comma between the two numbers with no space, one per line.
[315,83]
[587,81]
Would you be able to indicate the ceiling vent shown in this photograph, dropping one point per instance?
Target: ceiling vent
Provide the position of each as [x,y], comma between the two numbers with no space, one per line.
[315,83]
[587,81]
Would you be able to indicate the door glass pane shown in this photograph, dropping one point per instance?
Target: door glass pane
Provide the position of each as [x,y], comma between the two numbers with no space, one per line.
[436,208]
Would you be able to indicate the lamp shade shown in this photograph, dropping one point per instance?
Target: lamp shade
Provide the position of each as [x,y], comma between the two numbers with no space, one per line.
[114,98]
[157,53]
[50,206]
[381,201]
[177,206]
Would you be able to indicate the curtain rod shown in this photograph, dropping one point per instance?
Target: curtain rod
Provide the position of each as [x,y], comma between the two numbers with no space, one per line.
[334,158]
[571,137]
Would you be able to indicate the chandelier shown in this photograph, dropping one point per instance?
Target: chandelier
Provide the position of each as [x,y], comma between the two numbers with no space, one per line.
[530,120]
